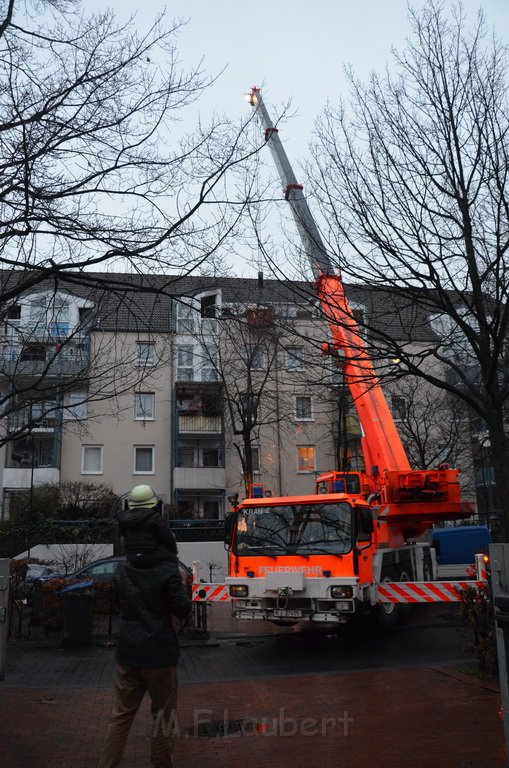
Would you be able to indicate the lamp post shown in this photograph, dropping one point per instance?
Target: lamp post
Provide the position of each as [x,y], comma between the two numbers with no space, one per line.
[486,474]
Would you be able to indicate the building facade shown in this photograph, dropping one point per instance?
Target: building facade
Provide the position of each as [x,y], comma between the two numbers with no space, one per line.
[196,386]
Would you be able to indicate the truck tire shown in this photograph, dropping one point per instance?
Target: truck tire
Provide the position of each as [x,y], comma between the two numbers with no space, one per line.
[388,614]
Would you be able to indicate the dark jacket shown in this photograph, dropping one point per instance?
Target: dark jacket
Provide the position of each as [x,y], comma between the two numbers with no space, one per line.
[147,538]
[147,598]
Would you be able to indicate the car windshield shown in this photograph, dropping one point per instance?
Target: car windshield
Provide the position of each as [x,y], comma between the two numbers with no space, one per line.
[303,529]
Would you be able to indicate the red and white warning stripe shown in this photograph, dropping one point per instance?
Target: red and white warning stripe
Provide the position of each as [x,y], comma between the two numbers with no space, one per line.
[424,591]
[210,593]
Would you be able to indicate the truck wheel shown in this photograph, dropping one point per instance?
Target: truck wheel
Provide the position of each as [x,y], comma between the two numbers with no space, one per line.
[428,571]
[388,614]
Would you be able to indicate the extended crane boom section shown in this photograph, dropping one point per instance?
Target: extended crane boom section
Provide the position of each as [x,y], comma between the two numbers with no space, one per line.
[306,225]
[381,445]
[380,442]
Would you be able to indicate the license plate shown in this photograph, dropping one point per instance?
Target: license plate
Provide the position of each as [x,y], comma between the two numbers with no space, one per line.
[288,614]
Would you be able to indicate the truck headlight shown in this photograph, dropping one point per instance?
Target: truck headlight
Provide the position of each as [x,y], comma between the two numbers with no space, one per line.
[238,590]
[341,591]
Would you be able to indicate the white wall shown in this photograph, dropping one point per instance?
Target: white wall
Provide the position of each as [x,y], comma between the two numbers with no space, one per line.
[59,552]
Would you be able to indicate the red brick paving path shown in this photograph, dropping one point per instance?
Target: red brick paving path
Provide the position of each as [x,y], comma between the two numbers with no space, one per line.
[412,718]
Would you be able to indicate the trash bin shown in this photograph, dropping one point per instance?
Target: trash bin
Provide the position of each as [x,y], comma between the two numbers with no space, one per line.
[78,613]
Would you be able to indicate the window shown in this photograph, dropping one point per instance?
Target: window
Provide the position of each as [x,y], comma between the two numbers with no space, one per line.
[13,317]
[210,457]
[75,406]
[143,459]
[399,408]
[199,453]
[210,509]
[59,318]
[305,458]
[199,507]
[144,405]
[208,313]
[85,316]
[37,312]
[210,363]
[185,318]
[185,362]
[256,359]
[13,312]
[33,353]
[303,410]
[145,353]
[293,359]
[208,306]
[187,457]
[105,570]
[92,460]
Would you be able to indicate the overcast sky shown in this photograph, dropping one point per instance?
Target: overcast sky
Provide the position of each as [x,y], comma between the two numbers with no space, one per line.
[295,49]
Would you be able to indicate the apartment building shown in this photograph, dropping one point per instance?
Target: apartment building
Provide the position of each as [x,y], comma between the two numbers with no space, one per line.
[171,381]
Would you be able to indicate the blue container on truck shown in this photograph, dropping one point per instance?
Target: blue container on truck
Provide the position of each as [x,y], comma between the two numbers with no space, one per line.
[460,544]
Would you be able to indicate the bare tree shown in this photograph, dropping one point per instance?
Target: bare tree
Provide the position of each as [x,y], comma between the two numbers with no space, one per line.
[96,173]
[413,179]
[435,427]
[255,348]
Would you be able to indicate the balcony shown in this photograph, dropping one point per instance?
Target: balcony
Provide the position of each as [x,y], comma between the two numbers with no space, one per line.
[21,477]
[200,477]
[199,423]
[36,360]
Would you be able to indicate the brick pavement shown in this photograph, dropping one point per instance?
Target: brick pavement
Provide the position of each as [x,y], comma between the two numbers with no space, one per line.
[425,717]
[414,718]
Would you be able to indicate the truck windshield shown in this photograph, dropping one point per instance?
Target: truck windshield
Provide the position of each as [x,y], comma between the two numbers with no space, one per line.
[303,529]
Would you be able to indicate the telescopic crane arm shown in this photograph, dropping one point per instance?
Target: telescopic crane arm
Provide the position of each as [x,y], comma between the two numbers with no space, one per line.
[381,444]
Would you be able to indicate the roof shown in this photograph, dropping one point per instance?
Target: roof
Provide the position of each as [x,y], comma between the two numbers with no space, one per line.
[145,303]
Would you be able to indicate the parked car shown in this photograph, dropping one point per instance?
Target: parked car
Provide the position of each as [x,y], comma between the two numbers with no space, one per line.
[104,570]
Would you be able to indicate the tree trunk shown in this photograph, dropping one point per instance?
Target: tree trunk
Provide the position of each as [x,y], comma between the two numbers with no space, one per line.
[500,461]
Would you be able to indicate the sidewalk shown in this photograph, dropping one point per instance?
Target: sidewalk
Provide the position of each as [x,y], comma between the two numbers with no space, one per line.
[425,717]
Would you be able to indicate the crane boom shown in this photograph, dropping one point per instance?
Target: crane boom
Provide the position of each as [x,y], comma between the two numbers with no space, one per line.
[381,444]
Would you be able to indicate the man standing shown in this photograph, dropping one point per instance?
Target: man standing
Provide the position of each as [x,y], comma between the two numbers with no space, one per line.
[147,656]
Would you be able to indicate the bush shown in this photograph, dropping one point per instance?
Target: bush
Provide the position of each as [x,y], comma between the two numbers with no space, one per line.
[476,610]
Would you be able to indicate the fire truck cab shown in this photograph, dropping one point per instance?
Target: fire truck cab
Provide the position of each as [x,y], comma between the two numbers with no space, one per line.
[315,558]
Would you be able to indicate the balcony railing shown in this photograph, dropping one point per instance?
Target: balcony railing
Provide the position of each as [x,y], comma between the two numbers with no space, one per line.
[17,421]
[25,477]
[189,478]
[33,362]
[198,423]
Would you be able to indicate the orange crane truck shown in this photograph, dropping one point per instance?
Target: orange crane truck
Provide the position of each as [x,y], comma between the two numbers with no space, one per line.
[354,544]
